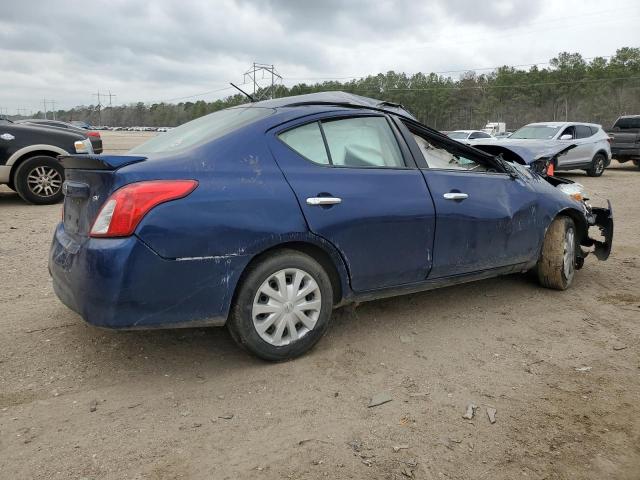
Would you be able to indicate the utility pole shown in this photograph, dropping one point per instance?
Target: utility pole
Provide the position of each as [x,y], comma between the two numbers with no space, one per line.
[269,71]
[99,107]
[44,102]
[53,108]
[110,106]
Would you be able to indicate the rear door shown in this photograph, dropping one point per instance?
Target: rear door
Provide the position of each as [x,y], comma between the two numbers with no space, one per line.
[484,218]
[582,154]
[358,189]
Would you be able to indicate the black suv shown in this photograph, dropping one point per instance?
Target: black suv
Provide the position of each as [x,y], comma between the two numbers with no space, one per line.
[28,161]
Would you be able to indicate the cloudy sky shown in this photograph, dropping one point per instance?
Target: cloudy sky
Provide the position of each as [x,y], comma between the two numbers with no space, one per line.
[67,50]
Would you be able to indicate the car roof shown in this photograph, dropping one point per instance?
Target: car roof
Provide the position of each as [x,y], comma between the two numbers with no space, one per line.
[338,99]
[561,124]
[467,131]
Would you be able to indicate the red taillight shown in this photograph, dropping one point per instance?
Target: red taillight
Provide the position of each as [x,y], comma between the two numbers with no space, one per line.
[123,210]
[93,134]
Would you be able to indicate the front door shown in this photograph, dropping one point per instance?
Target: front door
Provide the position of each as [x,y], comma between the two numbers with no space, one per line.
[358,189]
[485,218]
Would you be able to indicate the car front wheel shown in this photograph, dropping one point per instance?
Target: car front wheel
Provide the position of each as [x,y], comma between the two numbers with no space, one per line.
[38,180]
[283,306]
[557,264]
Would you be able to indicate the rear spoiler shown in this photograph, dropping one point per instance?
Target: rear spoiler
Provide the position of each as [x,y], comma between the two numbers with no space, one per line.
[98,162]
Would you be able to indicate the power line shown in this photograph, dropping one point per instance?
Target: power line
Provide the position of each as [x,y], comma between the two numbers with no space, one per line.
[442,72]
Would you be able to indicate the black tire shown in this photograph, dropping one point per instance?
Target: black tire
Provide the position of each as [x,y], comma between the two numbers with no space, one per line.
[551,265]
[52,176]
[598,164]
[241,324]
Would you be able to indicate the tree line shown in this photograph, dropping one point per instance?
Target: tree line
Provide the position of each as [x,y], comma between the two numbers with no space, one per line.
[569,88]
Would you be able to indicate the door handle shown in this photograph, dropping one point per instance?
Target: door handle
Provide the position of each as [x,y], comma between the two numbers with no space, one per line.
[455,196]
[323,200]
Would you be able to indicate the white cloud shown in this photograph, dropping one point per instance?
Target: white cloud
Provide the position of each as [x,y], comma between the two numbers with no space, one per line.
[67,50]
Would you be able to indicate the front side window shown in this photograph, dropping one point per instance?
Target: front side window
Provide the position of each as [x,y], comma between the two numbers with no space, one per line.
[441,159]
[351,142]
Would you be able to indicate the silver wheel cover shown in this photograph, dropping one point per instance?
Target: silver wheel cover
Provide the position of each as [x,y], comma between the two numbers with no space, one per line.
[286,307]
[569,257]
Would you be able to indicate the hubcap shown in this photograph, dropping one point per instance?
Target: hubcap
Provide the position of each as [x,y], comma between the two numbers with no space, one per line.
[44,181]
[600,165]
[286,306]
[568,262]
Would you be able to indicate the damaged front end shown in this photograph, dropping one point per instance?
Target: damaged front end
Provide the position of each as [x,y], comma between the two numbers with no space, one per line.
[540,159]
[600,217]
[603,219]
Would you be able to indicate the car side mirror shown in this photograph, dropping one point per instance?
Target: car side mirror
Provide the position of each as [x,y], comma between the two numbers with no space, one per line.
[566,136]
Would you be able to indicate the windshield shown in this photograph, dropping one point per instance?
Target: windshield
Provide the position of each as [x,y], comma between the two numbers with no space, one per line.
[207,128]
[536,132]
[458,135]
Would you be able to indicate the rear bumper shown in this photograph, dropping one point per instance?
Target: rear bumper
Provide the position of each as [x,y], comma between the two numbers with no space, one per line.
[123,284]
[625,153]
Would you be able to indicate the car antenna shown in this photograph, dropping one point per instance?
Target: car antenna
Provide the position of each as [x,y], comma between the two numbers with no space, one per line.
[242,91]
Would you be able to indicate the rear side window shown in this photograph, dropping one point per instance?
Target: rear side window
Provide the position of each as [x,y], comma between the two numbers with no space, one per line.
[307,141]
[362,142]
[351,142]
[583,131]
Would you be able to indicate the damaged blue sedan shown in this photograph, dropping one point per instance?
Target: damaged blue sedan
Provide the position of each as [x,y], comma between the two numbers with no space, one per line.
[266,216]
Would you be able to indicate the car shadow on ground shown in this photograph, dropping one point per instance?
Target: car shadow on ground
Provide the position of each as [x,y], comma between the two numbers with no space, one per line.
[9,198]
[212,350]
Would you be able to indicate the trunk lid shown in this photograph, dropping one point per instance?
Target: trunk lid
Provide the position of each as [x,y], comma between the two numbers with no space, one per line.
[89,180]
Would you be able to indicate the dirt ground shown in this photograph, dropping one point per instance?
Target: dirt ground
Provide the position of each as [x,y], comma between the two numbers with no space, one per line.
[562,369]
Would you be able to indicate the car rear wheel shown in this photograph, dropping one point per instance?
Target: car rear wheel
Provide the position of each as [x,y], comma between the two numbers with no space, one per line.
[283,306]
[598,165]
[557,264]
[38,180]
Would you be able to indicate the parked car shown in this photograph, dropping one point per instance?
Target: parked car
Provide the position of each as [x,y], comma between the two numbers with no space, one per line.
[265,216]
[626,139]
[28,161]
[587,144]
[94,137]
[464,135]
[81,124]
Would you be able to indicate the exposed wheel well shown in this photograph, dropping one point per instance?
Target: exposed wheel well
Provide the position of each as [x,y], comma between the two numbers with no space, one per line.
[578,220]
[315,252]
[27,156]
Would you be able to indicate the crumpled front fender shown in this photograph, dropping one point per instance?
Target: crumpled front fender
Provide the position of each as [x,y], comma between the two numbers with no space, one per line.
[603,219]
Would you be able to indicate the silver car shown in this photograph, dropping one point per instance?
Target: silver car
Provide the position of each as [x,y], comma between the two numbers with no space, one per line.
[591,150]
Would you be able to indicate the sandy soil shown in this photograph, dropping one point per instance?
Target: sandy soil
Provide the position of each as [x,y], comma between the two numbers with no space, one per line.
[562,369]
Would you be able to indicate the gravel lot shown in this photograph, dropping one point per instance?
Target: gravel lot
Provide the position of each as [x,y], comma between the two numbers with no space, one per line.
[562,369]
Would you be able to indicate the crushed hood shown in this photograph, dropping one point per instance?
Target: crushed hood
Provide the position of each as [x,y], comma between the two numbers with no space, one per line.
[524,151]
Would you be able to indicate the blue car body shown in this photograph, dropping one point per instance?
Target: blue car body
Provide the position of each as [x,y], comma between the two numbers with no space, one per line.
[393,232]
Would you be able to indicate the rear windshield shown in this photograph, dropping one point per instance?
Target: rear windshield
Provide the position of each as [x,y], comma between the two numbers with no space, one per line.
[203,129]
[627,123]
[536,132]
